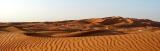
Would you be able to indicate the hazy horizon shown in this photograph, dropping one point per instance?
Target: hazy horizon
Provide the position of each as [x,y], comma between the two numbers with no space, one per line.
[58,10]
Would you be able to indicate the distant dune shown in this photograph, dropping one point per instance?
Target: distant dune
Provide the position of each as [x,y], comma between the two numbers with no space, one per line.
[96,34]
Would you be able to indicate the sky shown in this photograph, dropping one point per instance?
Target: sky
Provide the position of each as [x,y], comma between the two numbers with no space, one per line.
[58,10]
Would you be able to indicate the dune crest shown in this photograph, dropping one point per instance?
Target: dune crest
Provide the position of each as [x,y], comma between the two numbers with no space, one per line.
[96,34]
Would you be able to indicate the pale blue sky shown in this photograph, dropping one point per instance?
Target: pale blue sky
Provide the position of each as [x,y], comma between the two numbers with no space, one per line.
[54,10]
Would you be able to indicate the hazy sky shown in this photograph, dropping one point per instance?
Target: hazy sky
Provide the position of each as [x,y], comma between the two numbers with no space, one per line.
[54,10]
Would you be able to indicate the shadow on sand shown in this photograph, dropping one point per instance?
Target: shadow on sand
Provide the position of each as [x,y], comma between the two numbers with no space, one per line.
[75,34]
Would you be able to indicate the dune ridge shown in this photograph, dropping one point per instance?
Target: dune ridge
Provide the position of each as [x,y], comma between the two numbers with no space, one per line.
[96,34]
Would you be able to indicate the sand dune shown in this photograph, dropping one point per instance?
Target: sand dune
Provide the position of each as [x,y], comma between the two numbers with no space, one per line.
[99,34]
[128,42]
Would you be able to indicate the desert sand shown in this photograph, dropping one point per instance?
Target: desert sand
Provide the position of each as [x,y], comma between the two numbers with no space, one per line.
[96,34]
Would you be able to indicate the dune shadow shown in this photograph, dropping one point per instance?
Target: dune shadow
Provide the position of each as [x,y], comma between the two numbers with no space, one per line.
[36,34]
[97,33]
[76,34]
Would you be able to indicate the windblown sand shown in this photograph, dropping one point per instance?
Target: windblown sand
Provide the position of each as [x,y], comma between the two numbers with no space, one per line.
[89,37]
[129,42]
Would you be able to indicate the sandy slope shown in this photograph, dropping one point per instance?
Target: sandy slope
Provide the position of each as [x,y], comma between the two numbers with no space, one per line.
[129,42]
[99,34]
